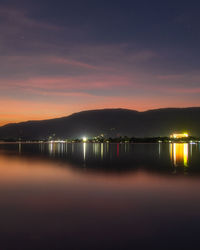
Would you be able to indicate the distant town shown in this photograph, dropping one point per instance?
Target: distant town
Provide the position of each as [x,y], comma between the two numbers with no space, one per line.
[175,137]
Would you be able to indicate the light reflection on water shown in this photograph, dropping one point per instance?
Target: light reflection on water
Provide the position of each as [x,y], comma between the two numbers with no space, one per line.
[99,196]
[180,154]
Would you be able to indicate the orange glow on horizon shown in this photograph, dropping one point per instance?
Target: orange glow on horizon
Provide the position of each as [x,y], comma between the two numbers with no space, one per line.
[14,111]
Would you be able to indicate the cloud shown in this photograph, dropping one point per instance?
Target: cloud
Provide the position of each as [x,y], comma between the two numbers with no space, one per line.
[16,19]
[38,60]
[64,85]
[21,33]
[171,77]
[65,61]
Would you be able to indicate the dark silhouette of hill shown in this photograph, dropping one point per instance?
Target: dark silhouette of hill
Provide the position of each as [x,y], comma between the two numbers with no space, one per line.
[111,122]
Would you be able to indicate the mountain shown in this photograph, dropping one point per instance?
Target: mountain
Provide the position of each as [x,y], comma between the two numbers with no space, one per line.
[111,122]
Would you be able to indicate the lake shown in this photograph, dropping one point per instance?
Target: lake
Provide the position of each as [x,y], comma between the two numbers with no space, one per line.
[99,196]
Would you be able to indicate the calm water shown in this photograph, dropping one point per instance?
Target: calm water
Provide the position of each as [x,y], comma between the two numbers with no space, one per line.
[99,196]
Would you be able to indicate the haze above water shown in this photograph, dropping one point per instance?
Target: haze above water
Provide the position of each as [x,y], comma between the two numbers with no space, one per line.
[99,196]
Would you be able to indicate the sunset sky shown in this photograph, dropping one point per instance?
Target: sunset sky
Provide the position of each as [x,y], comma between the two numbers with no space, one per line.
[60,57]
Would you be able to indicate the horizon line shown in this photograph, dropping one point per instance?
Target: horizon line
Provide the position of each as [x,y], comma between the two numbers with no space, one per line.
[88,110]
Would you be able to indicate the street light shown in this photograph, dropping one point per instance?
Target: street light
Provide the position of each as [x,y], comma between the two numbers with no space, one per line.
[84,139]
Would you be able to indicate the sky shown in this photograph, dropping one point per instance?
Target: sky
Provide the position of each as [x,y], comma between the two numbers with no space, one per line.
[60,57]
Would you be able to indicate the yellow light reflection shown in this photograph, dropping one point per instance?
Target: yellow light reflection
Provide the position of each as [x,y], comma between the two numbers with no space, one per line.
[20,147]
[179,154]
[84,151]
[101,150]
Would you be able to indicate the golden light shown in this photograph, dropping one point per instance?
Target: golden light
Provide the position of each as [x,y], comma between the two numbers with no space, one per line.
[179,154]
[179,136]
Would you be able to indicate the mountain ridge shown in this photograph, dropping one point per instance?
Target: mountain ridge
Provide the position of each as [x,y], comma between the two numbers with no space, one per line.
[111,122]
[107,109]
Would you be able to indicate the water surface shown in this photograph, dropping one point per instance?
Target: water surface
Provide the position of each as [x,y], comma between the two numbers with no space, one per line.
[99,196]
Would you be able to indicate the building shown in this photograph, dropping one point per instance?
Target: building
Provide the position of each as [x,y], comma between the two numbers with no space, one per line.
[179,136]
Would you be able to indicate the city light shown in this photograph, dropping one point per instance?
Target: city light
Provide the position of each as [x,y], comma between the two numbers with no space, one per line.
[179,136]
[85,139]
